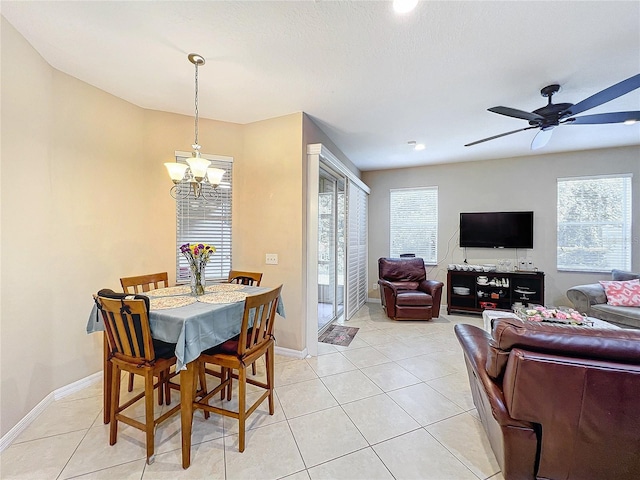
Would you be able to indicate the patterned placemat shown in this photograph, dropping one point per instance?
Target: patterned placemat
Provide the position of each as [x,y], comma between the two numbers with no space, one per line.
[163,303]
[223,297]
[223,287]
[169,291]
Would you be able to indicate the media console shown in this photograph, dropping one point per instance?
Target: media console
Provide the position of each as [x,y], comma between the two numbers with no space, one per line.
[473,292]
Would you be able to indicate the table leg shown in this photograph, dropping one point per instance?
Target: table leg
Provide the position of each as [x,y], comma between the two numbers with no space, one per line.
[107,374]
[187,385]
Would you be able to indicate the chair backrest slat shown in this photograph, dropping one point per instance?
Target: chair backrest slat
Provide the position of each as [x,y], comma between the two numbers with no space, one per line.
[144,283]
[245,278]
[261,309]
[128,331]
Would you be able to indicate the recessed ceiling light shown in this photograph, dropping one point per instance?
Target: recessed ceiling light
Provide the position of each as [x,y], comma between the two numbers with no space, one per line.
[404,6]
[631,121]
[416,146]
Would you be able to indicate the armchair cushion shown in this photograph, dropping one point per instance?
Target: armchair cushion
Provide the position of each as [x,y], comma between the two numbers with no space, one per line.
[414,298]
[402,270]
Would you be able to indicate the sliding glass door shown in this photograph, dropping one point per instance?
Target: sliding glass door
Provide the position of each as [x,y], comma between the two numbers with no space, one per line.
[331,247]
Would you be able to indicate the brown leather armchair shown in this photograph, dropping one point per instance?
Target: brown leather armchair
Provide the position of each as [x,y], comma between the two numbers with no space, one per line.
[557,401]
[405,292]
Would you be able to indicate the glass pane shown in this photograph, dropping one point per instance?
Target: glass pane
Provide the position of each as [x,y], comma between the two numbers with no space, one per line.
[327,200]
[594,223]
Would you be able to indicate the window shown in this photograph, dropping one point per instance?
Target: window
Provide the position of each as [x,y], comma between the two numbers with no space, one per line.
[200,221]
[414,222]
[594,223]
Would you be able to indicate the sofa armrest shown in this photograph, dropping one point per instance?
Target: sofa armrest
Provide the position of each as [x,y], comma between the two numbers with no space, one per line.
[583,296]
[387,284]
[474,342]
[433,288]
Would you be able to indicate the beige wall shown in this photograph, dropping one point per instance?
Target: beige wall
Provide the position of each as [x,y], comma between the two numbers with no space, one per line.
[70,227]
[268,189]
[97,208]
[527,183]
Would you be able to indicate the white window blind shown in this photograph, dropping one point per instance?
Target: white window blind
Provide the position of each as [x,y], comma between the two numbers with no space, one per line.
[356,249]
[414,222]
[594,223]
[206,221]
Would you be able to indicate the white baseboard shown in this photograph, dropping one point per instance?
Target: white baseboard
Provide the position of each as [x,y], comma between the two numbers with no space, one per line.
[288,352]
[57,394]
[77,386]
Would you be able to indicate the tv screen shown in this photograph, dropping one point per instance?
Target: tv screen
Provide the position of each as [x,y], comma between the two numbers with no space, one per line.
[496,229]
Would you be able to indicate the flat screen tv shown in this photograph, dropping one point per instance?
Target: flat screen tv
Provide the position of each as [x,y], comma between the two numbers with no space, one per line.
[496,229]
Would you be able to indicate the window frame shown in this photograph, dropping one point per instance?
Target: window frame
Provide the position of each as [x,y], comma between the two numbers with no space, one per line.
[429,216]
[624,223]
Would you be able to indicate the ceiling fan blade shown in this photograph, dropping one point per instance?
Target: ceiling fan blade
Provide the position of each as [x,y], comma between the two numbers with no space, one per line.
[541,139]
[498,136]
[514,112]
[613,117]
[606,95]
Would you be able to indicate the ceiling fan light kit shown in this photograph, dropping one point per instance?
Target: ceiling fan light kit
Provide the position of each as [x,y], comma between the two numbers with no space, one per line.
[555,114]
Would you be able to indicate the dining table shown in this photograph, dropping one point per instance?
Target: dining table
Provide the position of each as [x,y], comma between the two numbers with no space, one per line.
[194,324]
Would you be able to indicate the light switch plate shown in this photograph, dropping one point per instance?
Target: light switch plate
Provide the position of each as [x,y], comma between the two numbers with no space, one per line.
[271,259]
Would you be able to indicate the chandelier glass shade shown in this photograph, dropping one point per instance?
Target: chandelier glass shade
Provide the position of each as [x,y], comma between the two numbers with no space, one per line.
[189,179]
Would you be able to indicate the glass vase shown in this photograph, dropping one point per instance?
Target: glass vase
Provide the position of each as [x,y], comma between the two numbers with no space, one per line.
[197,279]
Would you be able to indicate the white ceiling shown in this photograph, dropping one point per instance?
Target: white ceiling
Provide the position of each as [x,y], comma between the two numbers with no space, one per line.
[372,80]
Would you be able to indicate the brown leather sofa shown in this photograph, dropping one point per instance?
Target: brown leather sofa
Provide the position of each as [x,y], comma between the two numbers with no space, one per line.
[405,292]
[557,401]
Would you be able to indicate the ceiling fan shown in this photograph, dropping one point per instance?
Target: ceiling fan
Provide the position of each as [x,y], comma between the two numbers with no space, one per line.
[555,114]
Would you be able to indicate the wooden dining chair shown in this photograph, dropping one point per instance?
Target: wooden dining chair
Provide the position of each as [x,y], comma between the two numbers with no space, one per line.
[133,350]
[144,283]
[141,284]
[245,278]
[254,341]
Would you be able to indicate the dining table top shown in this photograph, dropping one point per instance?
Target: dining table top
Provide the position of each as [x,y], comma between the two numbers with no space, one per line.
[193,323]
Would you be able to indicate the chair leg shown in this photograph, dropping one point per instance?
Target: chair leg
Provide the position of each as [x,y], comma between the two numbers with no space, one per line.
[148,410]
[242,408]
[202,378]
[167,387]
[161,382]
[107,381]
[230,385]
[253,368]
[130,387]
[269,361]
[115,404]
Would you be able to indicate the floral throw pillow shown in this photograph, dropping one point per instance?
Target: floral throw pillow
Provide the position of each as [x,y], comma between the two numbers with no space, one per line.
[623,294]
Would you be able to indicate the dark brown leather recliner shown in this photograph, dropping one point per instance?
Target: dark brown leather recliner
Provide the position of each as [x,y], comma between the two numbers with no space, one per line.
[557,401]
[405,292]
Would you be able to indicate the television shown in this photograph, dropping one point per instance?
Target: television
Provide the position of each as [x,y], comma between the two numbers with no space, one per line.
[496,229]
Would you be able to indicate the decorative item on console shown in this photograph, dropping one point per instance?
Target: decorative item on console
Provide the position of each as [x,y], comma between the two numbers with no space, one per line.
[538,313]
[525,265]
[467,267]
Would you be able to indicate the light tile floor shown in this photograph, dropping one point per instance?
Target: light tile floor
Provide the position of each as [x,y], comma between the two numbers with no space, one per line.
[395,404]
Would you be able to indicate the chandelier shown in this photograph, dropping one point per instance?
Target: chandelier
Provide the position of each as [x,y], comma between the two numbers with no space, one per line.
[193,178]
